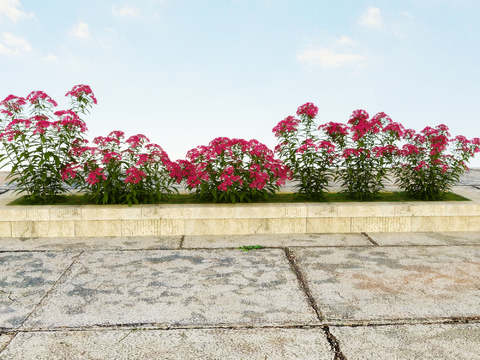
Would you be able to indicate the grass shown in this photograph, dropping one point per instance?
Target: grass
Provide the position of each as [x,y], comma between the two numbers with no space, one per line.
[250,248]
[277,198]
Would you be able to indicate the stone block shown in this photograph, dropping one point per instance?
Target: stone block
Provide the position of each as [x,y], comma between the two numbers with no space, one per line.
[141,227]
[38,213]
[277,226]
[216,227]
[92,228]
[296,210]
[440,223]
[259,211]
[66,213]
[437,209]
[222,211]
[328,225]
[381,224]
[321,210]
[43,229]
[172,227]
[5,229]
[366,210]
[13,214]
[168,211]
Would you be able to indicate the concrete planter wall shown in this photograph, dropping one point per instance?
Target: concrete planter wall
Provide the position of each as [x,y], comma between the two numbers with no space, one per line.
[240,219]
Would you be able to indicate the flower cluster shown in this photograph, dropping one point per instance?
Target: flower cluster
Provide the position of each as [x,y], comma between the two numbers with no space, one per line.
[37,147]
[308,155]
[231,170]
[364,151]
[81,92]
[308,109]
[423,166]
[122,171]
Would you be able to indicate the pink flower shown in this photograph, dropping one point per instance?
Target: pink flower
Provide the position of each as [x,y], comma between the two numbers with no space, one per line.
[27,123]
[334,129]
[137,140]
[117,134]
[41,126]
[68,172]
[395,128]
[422,164]
[108,156]
[134,176]
[104,141]
[81,91]
[10,134]
[35,96]
[94,175]
[289,124]
[308,109]
[12,104]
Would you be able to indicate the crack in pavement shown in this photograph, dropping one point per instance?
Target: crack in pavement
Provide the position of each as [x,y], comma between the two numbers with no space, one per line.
[334,343]
[370,239]
[59,280]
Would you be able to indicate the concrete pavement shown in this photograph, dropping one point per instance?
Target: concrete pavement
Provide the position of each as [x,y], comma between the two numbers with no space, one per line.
[318,296]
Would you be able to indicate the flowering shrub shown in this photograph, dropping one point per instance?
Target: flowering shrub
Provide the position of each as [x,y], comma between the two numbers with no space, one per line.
[233,170]
[37,146]
[424,170]
[367,148]
[310,157]
[118,171]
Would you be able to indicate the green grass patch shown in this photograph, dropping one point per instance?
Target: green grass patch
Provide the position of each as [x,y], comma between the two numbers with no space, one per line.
[250,248]
[277,198]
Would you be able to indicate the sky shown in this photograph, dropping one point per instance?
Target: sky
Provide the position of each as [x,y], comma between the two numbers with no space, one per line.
[183,72]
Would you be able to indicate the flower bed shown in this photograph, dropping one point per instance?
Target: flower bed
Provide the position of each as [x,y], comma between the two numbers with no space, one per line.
[48,153]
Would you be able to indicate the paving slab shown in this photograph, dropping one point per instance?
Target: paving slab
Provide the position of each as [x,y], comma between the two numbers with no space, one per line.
[220,241]
[5,340]
[392,284]
[92,243]
[171,344]
[176,288]
[406,342]
[25,278]
[439,238]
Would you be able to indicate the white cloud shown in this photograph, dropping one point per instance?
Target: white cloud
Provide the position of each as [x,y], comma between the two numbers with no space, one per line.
[371,18]
[328,58]
[125,11]
[51,58]
[9,9]
[345,40]
[15,44]
[80,30]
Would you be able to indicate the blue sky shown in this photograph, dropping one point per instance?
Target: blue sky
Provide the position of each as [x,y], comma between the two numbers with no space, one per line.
[183,72]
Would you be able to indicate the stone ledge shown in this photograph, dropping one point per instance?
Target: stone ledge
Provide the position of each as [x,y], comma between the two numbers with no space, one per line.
[240,219]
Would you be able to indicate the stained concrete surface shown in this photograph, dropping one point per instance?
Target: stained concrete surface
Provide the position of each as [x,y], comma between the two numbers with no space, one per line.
[25,278]
[439,341]
[384,284]
[332,297]
[217,241]
[176,288]
[172,344]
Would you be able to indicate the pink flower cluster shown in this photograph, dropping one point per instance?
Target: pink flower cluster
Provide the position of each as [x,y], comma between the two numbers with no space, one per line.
[361,125]
[35,96]
[308,109]
[234,163]
[289,124]
[134,175]
[93,176]
[13,104]
[79,91]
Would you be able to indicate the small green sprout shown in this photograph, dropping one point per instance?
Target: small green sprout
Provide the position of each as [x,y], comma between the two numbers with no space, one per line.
[248,248]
